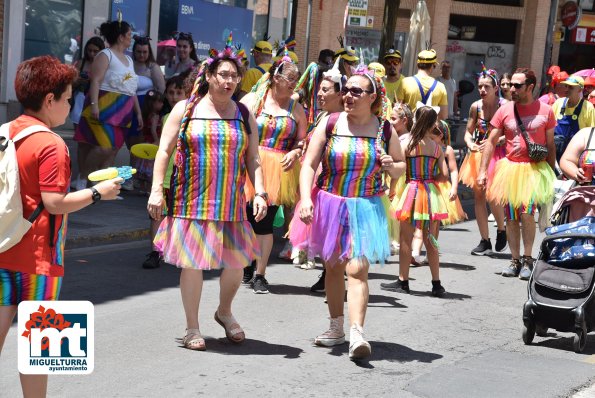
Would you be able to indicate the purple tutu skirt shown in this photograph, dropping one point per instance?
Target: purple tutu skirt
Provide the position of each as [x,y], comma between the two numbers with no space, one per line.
[343,228]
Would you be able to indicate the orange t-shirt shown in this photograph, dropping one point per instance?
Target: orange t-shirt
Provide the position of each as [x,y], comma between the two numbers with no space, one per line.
[44,165]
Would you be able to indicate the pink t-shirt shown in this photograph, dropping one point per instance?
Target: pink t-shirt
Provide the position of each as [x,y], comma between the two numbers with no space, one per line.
[537,117]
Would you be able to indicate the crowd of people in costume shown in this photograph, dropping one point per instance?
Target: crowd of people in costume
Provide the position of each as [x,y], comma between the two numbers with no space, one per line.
[356,160]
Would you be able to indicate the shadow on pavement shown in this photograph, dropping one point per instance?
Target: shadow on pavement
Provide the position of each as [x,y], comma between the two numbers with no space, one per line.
[501,256]
[448,296]
[392,301]
[460,267]
[251,347]
[283,289]
[116,276]
[565,343]
[387,351]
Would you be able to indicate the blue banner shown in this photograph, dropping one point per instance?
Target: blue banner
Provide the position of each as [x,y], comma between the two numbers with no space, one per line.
[211,23]
[135,12]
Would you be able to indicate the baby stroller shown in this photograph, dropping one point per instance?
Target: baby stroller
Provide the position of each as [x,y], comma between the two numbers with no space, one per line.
[561,288]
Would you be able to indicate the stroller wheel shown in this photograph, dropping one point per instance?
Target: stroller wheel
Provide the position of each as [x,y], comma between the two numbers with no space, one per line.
[528,332]
[580,341]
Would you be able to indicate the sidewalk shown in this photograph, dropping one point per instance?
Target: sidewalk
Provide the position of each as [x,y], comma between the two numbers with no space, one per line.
[107,221]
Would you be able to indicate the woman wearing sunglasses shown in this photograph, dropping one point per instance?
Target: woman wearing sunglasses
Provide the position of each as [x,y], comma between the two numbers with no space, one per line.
[282,126]
[344,219]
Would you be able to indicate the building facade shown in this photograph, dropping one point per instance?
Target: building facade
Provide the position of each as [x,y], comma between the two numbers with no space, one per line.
[504,34]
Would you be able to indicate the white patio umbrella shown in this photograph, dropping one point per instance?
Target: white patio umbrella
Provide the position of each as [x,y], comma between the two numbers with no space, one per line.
[419,37]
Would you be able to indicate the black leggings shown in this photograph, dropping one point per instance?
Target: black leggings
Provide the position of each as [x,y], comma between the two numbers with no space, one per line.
[264,226]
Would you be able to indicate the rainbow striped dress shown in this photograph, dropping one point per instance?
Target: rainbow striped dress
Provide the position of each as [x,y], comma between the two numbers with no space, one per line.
[421,201]
[351,209]
[206,226]
[278,135]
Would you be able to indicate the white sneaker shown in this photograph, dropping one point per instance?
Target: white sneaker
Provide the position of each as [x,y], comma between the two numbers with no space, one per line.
[491,217]
[308,264]
[285,253]
[359,348]
[81,184]
[394,248]
[299,257]
[334,335]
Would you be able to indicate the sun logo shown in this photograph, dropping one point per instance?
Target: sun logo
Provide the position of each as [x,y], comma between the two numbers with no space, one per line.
[127,77]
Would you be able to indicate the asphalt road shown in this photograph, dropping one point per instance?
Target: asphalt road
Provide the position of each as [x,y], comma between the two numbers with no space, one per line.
[465,345]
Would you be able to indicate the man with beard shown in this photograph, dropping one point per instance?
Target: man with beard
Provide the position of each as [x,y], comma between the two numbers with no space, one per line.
[521,183]
[392,64]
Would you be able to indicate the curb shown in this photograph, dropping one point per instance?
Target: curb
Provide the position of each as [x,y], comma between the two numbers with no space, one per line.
[110,237]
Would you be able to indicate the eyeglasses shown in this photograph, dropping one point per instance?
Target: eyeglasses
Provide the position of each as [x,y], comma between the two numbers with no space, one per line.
[517,85]
[289,79]
[355,91]
[225,76]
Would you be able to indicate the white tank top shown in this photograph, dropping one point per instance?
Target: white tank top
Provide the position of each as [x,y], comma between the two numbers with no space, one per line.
[119,78]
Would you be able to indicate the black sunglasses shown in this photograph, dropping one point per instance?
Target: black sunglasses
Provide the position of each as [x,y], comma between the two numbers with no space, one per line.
[355,91]
[517,85]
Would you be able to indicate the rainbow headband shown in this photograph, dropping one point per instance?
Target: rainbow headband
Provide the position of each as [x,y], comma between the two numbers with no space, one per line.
[491,73]
[285,59]
[227,52]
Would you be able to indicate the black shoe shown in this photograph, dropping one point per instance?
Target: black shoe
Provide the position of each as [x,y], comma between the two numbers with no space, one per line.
[484,248]
[152,260]
[437,289]
[398,286]
[319,285]
[513,269]
[260,285]
[501,242]
[249,273]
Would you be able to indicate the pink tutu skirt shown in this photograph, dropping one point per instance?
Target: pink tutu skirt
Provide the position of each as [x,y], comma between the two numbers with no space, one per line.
[343,228]
[206,244]
[499,153]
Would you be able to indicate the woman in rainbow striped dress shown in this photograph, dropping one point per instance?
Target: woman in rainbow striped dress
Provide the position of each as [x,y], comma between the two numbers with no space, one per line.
[421,205]
[206,226]
[282,127]
[344,219]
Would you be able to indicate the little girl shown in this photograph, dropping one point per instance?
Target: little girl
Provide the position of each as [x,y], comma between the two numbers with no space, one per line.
[449,189]
[421,205]
[151,111]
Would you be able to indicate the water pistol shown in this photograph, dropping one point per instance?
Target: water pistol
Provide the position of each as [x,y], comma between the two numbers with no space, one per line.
[124,172]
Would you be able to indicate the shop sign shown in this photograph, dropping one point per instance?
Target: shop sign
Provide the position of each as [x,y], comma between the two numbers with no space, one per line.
[570,14]
[358,4]
[584,35]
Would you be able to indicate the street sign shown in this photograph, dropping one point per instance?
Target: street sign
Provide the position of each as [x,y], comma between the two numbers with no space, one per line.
[570,14]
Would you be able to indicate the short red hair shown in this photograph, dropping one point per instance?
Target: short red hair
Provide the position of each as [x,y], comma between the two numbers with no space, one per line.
[39,76]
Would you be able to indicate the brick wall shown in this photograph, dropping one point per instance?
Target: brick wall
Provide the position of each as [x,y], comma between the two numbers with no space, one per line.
[327,24]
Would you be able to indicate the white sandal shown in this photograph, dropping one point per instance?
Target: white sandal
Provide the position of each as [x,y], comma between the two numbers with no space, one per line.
[193,340]
[234,334]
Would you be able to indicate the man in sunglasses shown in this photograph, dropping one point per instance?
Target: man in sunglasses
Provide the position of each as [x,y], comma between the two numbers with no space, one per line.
[422,87]
[263,54]
[572,113]
[521,184]
[393,65]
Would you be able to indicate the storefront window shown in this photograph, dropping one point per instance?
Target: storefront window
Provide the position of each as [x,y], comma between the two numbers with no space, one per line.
[53,27]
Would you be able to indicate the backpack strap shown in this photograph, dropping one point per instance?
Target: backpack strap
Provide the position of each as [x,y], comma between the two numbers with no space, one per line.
[563,109]
[260,69]
[36,128]
[245,116]
[387,132]
[331,122]
[589,140]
